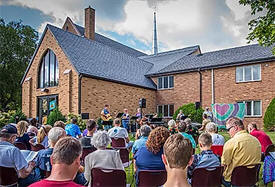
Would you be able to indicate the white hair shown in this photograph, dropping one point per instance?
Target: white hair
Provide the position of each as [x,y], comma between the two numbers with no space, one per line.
[145,130]
[55,134]
[211,127]
[172,123]
[101,139]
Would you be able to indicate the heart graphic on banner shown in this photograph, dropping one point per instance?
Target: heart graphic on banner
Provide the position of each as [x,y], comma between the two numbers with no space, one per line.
[221,109]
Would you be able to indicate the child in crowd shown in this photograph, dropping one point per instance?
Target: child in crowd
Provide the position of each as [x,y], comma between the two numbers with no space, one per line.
[206,158]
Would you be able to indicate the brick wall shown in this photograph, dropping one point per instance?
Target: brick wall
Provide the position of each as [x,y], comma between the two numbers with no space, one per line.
[30,90]
[96,93]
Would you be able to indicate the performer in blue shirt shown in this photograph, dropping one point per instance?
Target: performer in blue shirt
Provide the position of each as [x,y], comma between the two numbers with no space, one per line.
[125,118]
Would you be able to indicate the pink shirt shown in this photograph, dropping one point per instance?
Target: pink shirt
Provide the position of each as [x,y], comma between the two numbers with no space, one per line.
[262,137]
[48,183]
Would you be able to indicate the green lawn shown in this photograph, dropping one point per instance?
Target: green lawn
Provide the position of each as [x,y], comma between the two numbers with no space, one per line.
[130,175]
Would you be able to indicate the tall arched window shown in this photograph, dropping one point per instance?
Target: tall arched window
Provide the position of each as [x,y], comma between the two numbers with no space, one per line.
[48,72]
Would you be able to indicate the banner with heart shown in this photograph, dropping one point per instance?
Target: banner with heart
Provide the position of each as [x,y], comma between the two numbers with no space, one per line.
[222,112]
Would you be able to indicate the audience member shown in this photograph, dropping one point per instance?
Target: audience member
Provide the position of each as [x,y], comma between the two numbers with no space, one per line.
[23,136]
[60,124]
[65,161]
[192,130]
[42,136]
[208,113]
[177,156]
[10,156]
[119,132]
[180,115]
[263,138]
[182,128]
[149,157]
[91,128]
[205,121]
[206,158]
[102,157]
[144,133]
[32,131]
[33,122]
[172,127]
[217,139]
[73,129]
[241,150]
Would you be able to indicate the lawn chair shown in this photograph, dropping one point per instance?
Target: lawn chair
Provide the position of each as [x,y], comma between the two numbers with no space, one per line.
[245,175]
[217,149]
[20,145]
[8,176]
[270,148]
[151,178]
[118,143]
[203,177]
[85,152]
[108,177]
[37,147]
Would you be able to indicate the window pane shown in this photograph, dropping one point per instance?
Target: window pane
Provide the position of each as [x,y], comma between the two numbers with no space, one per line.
[165,82]
[56,72]
[239,74]
[171,110]
[256,72]
[247,73]
[165,111]
[160,109]
[171,81]
[47,69]
[248,108]
[257,108]
[41,75]
[52,64]
[160,82]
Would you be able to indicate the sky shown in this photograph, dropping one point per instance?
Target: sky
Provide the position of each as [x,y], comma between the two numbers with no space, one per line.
[212,24]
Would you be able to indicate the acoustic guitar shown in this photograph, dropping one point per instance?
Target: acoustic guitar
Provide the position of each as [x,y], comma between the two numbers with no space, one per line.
[106,117]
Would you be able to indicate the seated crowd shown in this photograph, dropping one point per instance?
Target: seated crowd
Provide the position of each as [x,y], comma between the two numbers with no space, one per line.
[63,160]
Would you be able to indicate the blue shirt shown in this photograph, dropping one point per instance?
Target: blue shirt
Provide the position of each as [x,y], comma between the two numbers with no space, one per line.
[72,130]
[10,156]
[146,160]
[43,159]
[190,137]
[139,143]
[24,139]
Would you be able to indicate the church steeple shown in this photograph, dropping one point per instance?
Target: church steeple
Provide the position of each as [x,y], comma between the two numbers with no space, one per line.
[155,42]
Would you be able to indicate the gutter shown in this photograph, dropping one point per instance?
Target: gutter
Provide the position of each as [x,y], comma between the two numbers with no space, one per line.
[79,93]
[199,70]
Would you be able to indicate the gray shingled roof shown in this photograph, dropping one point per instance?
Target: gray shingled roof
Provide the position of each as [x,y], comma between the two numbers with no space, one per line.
[161,60]
[94,59]
[111,43]
[222,58]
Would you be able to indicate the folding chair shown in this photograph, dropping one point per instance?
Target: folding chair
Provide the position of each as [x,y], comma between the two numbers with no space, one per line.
[20,145]
[8,176]
[118,143]
[108,177]
[37,147]
[151,178]
[85,152]
[270,148]
[245,175]
[203,177]
[217,149]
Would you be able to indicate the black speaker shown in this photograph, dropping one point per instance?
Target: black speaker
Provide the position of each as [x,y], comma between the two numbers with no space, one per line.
[142,103]
[197,105]
[84,115]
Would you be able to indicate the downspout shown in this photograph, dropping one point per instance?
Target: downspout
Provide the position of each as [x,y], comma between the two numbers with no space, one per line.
[79,93]
[199,70]
[213,86]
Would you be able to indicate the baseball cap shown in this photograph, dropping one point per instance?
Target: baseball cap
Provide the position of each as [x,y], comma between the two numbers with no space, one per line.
[11,129]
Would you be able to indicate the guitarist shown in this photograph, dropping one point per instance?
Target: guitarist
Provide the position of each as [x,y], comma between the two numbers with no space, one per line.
[106,117]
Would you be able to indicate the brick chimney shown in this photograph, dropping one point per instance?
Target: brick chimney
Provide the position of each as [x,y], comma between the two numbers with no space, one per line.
[90,23]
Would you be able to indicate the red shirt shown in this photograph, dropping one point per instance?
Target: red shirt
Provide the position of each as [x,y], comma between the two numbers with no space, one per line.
[262,137]
[48,183]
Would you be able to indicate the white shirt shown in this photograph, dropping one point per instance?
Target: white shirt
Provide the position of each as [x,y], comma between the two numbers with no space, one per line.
[217,139]
[118,132]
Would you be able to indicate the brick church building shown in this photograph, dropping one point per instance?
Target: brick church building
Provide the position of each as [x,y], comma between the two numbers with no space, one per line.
[80,71]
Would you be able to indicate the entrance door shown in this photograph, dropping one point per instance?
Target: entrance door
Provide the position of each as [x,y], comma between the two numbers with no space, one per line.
[45,105]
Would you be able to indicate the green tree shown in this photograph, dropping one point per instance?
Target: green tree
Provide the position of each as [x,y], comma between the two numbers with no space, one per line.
[263,27]
[269,116]
[17,45]
[190,111]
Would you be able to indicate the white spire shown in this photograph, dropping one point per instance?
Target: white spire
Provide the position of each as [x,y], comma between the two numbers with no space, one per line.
[155,43]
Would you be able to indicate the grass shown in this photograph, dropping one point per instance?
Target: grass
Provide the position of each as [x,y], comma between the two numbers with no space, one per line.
[130,171]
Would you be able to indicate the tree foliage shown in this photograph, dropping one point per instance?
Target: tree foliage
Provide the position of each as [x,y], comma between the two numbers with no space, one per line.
[263,27]
[54,116]
[17,45]
[190,111]
[269,117]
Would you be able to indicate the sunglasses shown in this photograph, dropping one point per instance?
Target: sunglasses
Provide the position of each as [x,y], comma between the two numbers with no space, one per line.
[228,129]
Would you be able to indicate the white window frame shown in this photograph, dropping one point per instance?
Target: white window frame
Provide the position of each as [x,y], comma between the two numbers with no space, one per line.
[162,82]
[162,106]
[252,108]
[252,76]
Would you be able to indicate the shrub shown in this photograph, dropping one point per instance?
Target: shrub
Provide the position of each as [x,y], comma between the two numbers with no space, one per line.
[54,116]
[12,116]
[81,123]
[269,117]
[190,111]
